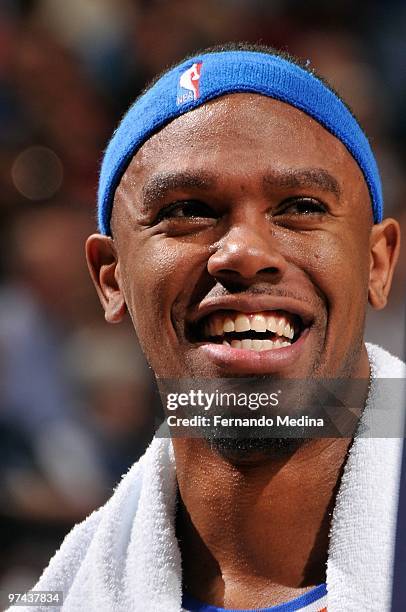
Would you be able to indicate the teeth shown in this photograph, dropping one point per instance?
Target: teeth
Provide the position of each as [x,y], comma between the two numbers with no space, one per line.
[228,325]
[288,331]
[242,323]
[268,345]
[246,344]
[272,324]
[256,345]
[219,324]
[281,327]
[258,323]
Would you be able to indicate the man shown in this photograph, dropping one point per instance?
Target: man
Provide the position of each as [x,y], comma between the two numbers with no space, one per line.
[240,214]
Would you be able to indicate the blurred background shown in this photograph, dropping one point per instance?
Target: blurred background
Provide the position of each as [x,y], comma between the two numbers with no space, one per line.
[76,405]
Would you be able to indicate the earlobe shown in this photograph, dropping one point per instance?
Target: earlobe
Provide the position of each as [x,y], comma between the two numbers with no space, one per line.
[384,253]
[104,269]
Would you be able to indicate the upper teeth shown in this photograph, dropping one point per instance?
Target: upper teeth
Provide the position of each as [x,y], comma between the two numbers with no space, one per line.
[220,324]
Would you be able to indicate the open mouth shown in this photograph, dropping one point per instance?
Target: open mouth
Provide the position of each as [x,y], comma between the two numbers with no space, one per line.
[256,331]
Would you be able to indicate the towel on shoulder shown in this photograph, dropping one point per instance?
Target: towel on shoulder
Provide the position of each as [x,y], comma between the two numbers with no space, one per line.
[125,556]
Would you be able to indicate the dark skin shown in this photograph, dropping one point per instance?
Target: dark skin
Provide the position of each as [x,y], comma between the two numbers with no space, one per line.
[247,204]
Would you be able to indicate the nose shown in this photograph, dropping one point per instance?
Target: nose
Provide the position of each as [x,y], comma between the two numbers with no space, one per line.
[248,251]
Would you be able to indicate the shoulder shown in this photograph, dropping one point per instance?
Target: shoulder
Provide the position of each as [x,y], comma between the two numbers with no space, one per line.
[76,548]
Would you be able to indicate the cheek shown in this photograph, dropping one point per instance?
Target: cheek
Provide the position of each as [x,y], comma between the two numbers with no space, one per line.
[338,265]
[150,274]
[158,271]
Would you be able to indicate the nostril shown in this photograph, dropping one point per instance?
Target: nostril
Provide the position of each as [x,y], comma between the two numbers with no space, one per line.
[270,270]
[226,272]
[229,274]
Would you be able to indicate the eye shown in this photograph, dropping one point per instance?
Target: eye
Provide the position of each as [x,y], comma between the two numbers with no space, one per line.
[187,209]
[302,206]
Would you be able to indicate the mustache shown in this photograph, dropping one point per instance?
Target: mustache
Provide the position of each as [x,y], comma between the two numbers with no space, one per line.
[219,291]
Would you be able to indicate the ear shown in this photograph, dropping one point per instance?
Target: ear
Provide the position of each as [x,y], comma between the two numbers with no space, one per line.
[104,269]
[384,253]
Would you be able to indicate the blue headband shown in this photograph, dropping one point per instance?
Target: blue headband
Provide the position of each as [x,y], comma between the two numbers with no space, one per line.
[210,75]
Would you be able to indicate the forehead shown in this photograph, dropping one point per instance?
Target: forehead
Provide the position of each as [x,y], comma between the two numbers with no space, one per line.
[243,135]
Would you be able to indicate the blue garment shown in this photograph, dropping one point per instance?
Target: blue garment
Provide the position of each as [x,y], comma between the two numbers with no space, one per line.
[192,605]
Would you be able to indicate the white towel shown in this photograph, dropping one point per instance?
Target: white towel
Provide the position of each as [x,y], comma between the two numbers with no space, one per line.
[125,557]
[362,538]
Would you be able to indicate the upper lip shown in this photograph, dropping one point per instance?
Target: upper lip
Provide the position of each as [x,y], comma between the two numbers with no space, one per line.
[251,304]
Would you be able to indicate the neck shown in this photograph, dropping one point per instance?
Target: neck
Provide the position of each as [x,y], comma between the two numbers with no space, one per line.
[255,534]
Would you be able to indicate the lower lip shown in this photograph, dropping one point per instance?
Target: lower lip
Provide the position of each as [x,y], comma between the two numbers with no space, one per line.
[243,361]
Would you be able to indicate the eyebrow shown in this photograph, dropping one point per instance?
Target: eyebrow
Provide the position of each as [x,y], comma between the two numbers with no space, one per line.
[162,183]
[306,177]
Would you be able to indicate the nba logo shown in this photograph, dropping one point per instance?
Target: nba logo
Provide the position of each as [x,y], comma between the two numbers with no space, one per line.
[188,88]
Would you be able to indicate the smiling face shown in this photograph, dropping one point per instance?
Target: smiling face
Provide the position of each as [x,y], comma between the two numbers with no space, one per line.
[242,246]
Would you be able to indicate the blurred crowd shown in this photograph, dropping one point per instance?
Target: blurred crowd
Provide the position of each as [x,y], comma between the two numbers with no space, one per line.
[76,397]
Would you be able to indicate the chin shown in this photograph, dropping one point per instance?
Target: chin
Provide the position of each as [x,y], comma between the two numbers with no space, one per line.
[253,450]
